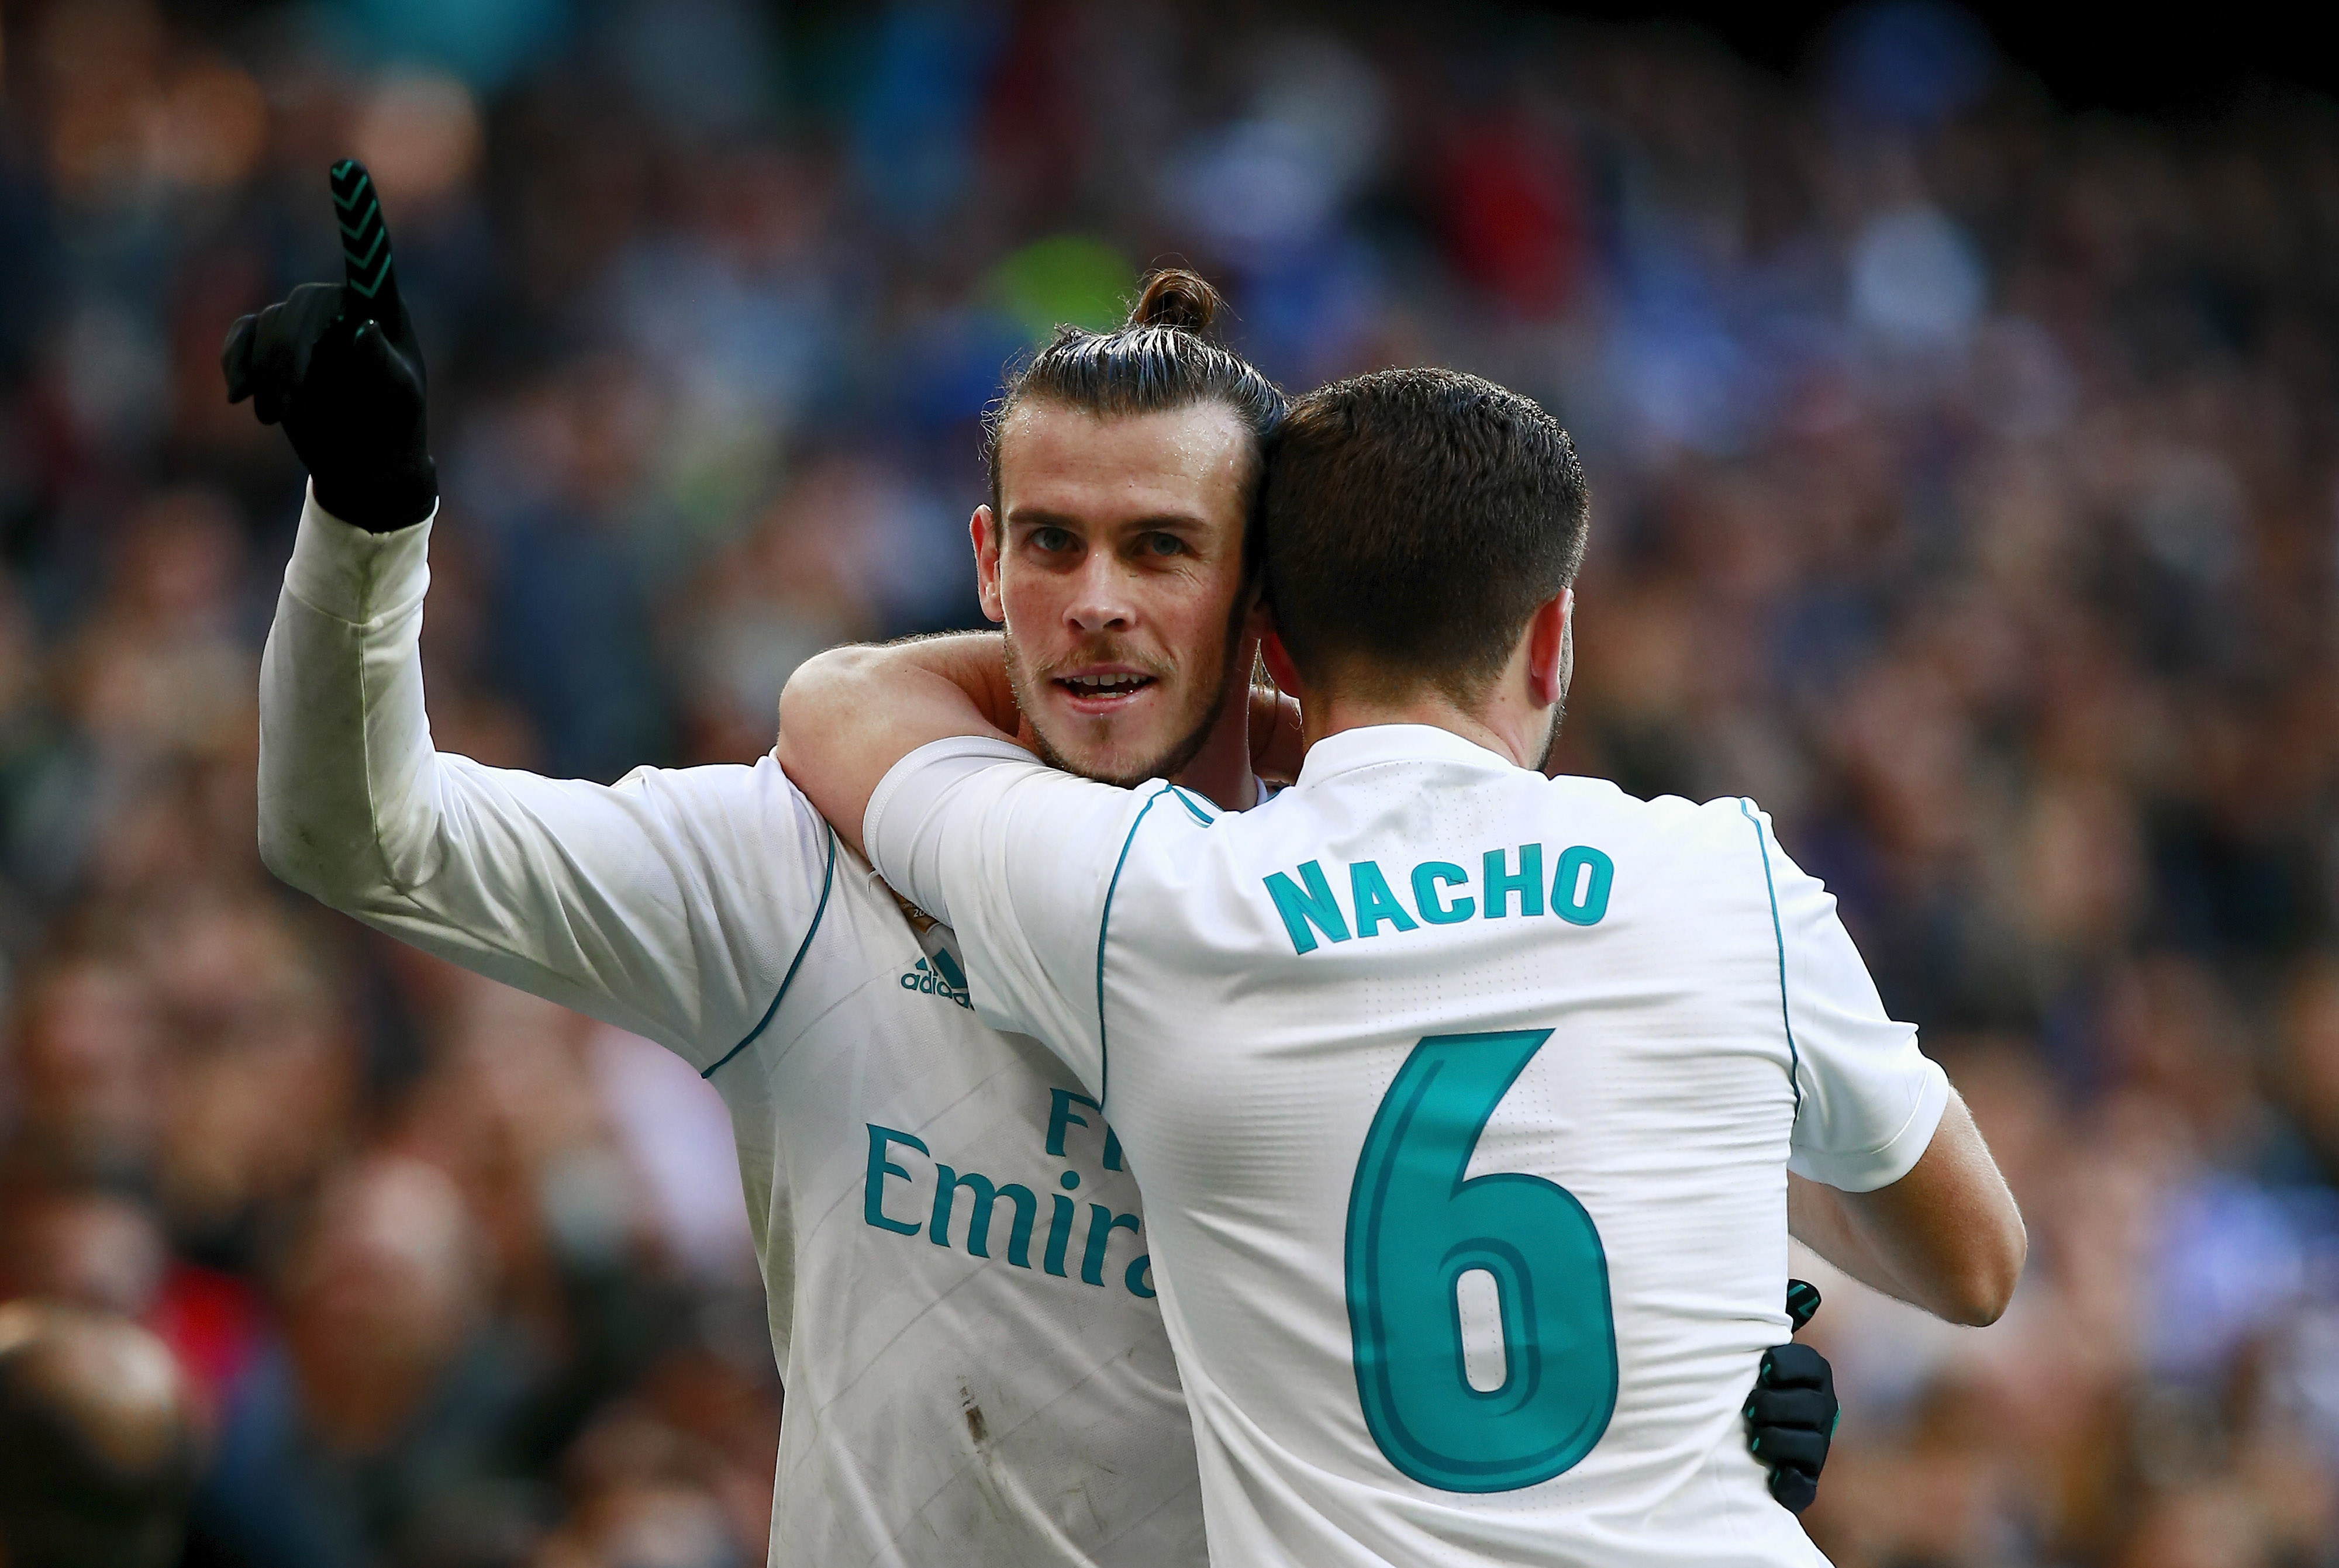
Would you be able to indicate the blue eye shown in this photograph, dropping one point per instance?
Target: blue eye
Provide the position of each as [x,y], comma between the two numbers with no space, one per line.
[1165,544]
[1052,539]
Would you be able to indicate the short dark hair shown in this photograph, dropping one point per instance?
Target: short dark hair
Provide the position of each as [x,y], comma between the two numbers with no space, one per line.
[1413,520]
[1161,357]
[86,1477]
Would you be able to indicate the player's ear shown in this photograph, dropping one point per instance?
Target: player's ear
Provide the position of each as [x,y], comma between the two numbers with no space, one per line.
[1258,616]
[982,531]
[1550,650]
[1279,661]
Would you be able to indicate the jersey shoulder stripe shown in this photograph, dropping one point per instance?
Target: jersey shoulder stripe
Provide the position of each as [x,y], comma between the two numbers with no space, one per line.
[827,882]
[1104,924]
[1762,848]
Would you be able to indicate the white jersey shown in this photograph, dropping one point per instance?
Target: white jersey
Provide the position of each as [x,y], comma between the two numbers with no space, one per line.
[952,1251]
[1464,1101]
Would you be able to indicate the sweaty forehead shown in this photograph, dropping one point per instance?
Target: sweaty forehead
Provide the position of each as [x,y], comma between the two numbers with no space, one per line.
[1192,462]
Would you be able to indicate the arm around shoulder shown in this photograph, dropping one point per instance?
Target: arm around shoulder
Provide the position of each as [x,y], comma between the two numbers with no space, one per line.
[1013,856]
[849,714]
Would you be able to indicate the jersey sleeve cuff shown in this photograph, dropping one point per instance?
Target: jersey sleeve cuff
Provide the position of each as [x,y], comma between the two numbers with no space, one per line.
[343,571]
[1866,1170]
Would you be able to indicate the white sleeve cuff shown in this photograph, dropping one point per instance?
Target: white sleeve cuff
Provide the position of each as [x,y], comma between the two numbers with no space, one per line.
[1896,1157]
[341,570]
[892,830]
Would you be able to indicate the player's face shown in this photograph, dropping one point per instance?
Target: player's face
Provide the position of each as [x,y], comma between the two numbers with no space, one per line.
[1117,568]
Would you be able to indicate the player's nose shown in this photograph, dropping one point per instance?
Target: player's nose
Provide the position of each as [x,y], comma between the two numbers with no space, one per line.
[1100,600]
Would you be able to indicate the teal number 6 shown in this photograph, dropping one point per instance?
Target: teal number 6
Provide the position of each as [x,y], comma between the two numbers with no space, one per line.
[1415,1226]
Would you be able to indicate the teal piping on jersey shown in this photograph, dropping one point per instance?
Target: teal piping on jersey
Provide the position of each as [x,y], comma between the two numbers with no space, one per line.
[1104,926]
[1778,934]
[1187,801]
[827,880]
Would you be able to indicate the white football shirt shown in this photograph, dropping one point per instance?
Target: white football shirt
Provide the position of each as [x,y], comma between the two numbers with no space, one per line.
[1463,1101]
[953,1250]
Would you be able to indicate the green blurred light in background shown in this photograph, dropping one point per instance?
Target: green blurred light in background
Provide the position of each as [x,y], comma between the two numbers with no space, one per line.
[1066,278]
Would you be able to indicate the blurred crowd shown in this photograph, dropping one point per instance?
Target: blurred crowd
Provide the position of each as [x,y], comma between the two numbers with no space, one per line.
[1963,492]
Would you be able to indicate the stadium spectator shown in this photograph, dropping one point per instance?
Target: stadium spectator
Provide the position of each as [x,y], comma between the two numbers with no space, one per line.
[1963,489]
[97,1447]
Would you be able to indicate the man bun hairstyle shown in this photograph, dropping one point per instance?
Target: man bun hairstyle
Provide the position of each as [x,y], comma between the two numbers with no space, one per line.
[1414,520]
[1162,357]
[1176,297]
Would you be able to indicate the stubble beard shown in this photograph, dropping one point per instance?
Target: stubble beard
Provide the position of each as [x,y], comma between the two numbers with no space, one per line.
[1559,710]
[1551,739]
[1168,763]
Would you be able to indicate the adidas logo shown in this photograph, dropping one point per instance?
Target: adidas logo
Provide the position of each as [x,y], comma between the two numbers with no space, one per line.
[944,979]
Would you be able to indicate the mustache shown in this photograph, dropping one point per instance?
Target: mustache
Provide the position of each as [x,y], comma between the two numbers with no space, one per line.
[1102,651]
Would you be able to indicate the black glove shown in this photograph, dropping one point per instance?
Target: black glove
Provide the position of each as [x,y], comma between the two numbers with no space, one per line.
[1792,1413]
[337,364]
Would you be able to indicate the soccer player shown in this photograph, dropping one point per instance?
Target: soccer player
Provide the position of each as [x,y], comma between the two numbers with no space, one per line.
[1464,1099]
[954,1255]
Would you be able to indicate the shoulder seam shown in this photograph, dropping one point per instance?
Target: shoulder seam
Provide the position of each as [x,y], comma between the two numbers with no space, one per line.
[827,882]
[1104,928]
[1777,935]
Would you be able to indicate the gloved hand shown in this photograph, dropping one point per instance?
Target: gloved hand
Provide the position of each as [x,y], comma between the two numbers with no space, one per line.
[1792,1413]
[338,365]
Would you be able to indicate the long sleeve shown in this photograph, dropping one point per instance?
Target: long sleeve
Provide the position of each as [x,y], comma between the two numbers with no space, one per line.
[672,903]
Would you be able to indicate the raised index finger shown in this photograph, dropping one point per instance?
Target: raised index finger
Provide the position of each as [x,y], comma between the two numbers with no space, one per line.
[367,268]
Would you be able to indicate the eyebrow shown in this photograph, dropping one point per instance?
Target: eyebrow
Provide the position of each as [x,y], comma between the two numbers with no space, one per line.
[1040,518]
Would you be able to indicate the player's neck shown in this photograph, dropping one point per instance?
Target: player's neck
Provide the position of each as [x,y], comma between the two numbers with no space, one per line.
[1508,729]
[1221,770]
[1513,718]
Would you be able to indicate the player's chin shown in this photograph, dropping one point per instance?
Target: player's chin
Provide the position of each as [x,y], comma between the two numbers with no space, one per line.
[1123,749]
[1124,766]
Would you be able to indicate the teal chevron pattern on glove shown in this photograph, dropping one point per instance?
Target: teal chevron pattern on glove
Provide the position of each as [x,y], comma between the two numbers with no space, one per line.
[365,238]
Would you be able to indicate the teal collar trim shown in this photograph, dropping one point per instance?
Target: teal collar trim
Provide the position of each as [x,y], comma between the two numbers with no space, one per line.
[1188,801]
